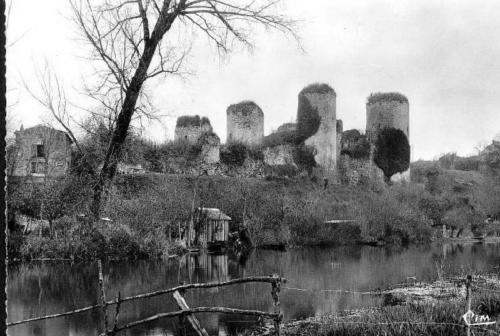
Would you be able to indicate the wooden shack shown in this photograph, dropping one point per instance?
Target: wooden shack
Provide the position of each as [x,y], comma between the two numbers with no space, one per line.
[210,229]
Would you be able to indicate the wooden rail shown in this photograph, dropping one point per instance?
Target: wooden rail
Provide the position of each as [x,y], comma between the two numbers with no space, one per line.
[264,279]
[198,310]
[185,311]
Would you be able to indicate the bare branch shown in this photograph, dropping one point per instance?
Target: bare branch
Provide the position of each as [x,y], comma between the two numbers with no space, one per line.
[53,98]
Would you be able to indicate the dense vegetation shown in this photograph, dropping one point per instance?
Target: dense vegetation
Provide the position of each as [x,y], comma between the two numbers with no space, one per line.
[386,97]
[148,212]
[308,119]
[190,121]
[392,152]
[418,318]
[355,145]
[245,108]
[318,88]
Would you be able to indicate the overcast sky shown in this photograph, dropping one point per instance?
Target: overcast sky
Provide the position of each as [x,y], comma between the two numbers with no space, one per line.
[443,55]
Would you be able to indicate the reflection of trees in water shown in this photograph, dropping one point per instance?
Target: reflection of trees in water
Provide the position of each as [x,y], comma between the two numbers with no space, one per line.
[65,287]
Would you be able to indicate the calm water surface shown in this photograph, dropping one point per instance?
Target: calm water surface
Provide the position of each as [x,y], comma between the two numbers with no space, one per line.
[45,288]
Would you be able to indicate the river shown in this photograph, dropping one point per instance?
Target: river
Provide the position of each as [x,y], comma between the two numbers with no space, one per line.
[37,289]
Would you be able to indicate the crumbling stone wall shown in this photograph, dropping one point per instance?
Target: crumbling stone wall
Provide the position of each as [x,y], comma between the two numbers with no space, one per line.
[191,128]
[210,148]
[279,155]
[319,101]
[359,172]
[245,123]
[40,151]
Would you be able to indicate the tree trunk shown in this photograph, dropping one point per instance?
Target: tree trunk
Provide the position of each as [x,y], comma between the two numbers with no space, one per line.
[120,133]
[108,170]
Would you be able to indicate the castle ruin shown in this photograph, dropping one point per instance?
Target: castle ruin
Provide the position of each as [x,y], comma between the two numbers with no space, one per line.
[191,128]
[40,152]
[315,139]
[316,121]
[385,110]
[388,110]
[245,123]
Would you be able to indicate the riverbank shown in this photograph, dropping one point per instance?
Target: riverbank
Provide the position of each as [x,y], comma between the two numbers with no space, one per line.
[147,215]
[410,310]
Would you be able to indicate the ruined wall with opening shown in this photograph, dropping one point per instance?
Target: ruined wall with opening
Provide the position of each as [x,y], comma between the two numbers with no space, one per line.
[40,151]
[245,123]
[316,120]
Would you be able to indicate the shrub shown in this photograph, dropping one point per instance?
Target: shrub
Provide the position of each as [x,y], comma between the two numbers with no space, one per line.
[308,119]
[188,121]
[286,170]
[467,164]
[385,97]
[120,243]
[447,161]
[281,138]
[234,154]
[318,88]
[303,157]
[392,220]
[183,148]
[256,153]
[358,148]
[434,207]
[392,152]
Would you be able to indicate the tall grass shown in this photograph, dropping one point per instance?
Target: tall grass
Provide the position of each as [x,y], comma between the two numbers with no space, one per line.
[430,319]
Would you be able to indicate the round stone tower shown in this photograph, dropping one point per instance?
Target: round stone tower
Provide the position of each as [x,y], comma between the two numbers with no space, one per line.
[384,110]
[340,130]
[316,123]
[388,110]
[245,123]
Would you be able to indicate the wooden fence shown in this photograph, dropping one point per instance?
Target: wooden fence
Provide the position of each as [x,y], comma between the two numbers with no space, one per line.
[185,313]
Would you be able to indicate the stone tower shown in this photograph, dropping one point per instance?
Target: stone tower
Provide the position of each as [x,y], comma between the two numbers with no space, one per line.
[316,122]
[245,123]
[340,130]
[191,128]
[384,110]
[388,110]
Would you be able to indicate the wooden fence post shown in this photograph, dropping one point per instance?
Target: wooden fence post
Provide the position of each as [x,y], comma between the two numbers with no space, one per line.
[103,297]
[193,321]
[117,312]
[276,287]
[468,297]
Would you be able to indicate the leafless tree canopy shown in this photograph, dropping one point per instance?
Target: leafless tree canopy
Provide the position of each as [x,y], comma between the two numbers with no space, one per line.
[128,38]
[52,96]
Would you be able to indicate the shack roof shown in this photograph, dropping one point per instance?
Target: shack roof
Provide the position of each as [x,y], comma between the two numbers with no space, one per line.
[214,214]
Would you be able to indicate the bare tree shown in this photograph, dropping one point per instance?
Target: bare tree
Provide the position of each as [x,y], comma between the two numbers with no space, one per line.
[128,37]
[53,97]
[480,147]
